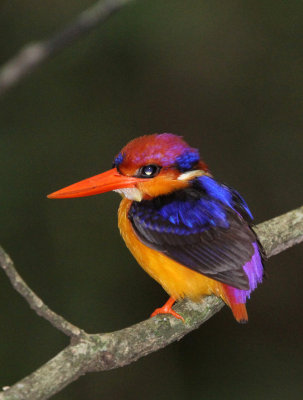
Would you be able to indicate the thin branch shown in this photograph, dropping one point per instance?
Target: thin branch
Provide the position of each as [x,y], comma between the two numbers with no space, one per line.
[101,352]
[34,301]
[33,55]
[106,351]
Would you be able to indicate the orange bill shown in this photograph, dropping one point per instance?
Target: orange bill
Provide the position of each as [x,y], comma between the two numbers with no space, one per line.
[105,182]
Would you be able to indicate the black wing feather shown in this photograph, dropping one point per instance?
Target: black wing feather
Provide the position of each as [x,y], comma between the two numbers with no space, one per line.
[218,248]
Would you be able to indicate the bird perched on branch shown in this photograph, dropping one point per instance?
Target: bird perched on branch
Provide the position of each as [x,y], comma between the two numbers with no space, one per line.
[189,232]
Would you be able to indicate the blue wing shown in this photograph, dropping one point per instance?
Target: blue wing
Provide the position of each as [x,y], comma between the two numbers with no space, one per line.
[205,227]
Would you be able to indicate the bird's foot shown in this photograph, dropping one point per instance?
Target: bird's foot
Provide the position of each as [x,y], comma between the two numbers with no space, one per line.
[167,309]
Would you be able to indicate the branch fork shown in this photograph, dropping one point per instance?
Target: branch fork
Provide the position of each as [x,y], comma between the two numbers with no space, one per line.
[104,351]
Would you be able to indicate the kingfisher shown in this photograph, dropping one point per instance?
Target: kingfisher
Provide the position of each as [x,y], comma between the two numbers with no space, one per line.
[188,231]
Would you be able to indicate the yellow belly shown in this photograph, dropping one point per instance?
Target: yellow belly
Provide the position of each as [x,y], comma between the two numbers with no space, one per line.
[178,281]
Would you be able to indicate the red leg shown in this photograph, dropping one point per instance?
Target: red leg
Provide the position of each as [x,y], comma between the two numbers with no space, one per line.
[167,309]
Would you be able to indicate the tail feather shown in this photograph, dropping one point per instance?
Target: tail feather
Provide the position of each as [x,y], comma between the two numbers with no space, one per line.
[238,308]
[239,311]
[236,298]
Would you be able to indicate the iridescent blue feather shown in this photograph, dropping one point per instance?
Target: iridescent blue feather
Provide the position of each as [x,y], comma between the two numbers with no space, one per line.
[204,227]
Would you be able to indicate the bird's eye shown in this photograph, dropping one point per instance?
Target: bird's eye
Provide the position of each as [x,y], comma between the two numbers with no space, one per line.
[149,171]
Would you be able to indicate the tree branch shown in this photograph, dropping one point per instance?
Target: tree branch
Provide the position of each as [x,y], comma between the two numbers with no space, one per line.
[33,300]
[33,55]
[98,352]
[280,233]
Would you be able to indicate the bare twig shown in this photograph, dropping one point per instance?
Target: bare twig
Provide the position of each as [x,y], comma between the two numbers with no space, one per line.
[34,301]
[111,350]
[34,54]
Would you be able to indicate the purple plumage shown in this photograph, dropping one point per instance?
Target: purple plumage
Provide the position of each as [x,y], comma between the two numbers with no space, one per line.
[254,271]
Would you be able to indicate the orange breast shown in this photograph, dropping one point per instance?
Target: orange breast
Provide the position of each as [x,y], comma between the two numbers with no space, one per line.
[178,281]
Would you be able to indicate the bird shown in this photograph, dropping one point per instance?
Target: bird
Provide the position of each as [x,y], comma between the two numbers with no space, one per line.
[188,231]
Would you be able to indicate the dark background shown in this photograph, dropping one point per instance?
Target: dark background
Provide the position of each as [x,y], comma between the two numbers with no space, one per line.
[225,75]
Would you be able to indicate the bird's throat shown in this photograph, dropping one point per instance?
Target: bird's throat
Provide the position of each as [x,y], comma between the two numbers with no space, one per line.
[130,193]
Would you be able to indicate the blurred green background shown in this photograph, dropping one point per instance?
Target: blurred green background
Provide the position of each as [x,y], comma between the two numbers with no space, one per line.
[225,75]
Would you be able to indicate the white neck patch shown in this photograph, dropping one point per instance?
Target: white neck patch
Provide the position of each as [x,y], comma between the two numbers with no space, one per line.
[190,174]
[130,193]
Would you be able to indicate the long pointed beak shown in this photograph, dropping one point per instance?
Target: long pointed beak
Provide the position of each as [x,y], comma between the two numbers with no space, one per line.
[105,182]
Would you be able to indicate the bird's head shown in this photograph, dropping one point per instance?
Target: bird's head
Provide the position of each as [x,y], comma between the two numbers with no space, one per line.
[146,167]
